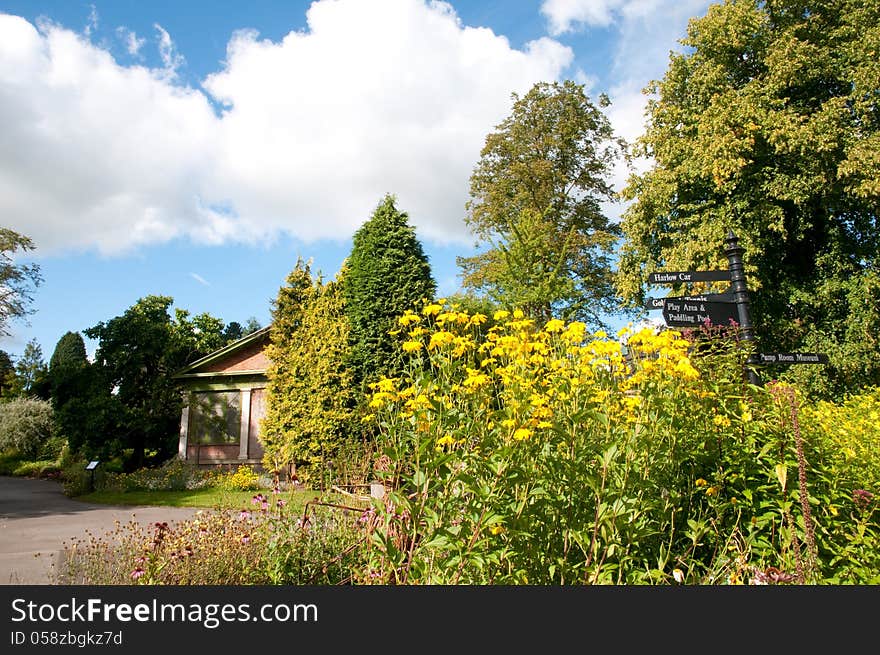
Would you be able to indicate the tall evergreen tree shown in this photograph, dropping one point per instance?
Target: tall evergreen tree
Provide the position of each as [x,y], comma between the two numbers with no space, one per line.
[31,373]
[70,386]
[310,392]
[388,273]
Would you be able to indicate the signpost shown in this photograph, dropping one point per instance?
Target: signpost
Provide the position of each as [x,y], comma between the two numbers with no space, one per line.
[658,303]
[721,308]
[792,358]
[678,277]
[694,313]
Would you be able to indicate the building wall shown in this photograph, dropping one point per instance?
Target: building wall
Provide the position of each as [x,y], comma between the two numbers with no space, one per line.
[252,358]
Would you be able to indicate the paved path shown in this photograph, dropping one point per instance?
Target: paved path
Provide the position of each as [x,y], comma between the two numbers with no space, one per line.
[36,518]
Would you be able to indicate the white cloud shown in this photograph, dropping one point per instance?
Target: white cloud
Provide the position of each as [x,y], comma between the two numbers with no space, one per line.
[133,43]
[374,97]
[566,15]
[171,59]
[93,154]
[198,278]
[394,96]
[646,32]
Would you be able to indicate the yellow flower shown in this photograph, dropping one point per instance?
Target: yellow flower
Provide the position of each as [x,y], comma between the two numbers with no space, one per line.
[384,385]
[701,482]
[432,310]
[496,529]
[508,423]
[721,421]
[445,440]
[500,315]
[518,314]
[407,318]
[439,339]
[554,325]
[478,319]
[411,346]
[575,332]
[713,490]
[521,434]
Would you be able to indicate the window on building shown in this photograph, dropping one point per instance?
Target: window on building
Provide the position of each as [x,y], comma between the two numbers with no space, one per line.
[215,417]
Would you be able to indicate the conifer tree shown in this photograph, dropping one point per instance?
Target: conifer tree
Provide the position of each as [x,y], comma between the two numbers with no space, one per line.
[310,392]
[388,273]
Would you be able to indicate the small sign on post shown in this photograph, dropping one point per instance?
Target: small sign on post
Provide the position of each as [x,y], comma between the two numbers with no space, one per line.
[90,467]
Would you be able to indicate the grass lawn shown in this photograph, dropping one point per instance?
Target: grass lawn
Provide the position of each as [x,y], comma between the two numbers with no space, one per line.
[212,498]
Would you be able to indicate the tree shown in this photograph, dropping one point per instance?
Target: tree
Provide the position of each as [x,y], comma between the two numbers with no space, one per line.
[310,393]
[769,125]
[388,273]
[197,336]
[17,281]
[31,373]
[71,388]
[251,326]
[137,401]
[535,198]
[7,374]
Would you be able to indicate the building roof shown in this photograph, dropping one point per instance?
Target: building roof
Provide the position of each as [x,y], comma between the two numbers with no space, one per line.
[201,368]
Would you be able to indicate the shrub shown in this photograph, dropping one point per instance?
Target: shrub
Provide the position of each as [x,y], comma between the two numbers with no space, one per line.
[38,469]
[244,478]
[174,475]
[26,424]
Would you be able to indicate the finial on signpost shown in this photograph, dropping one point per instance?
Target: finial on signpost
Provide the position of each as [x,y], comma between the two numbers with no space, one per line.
[738,287]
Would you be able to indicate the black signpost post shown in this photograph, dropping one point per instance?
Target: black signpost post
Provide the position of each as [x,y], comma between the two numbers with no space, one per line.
[721,308]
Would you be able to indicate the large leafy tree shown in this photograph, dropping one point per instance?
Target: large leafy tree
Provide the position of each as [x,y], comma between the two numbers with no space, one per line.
[536,204]
[310,393]
[388,273]
[769,125]
[17,280]
[134,396]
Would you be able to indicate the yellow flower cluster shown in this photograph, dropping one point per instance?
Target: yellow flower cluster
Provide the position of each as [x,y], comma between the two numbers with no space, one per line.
[519,379]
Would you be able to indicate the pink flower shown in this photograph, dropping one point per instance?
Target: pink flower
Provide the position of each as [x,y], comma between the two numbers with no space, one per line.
[138,572]
[862,498]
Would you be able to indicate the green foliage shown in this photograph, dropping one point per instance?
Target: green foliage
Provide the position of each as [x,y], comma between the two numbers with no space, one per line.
[268,545]
[7,374]
[310,395]
[41,468]
[535,199]
[69,351]
[197,336]
[174,475]
[547,456]
[26,425]
[768,124]
[31,376]
[387,273]
[16,280]
[132,402]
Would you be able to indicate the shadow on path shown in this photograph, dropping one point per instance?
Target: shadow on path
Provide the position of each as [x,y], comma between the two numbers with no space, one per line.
[36,519]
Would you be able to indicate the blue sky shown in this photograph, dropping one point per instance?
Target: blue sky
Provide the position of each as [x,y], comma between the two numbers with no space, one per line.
[195,149]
